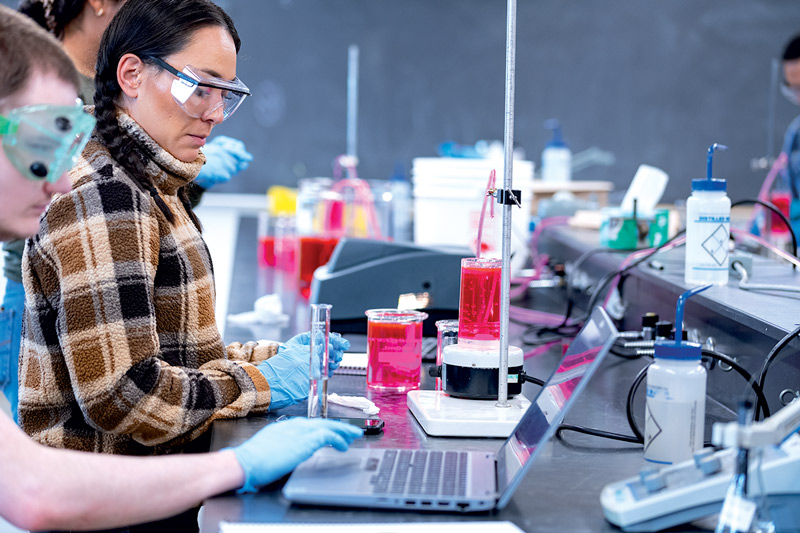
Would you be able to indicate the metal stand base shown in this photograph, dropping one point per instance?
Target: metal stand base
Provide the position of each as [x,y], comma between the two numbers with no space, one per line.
[441,415]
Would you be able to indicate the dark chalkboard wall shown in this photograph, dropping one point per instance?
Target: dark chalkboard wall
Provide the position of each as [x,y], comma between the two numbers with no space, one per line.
[652,82]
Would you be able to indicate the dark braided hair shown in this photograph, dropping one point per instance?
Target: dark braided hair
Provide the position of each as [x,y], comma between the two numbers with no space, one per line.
[148,29]
[56,17]
[62,12]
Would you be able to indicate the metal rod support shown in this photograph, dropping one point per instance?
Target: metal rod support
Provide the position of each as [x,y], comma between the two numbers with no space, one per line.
[352,100]
[508,142]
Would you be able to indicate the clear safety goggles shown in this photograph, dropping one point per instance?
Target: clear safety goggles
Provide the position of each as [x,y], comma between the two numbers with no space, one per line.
[200,95]
[791,92]
[43,141]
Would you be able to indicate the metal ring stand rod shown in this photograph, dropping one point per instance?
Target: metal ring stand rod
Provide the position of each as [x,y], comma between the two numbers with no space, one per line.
[508,142]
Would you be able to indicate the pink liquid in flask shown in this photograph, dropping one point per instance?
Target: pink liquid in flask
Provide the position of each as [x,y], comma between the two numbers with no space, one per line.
[394,349]
[479,305]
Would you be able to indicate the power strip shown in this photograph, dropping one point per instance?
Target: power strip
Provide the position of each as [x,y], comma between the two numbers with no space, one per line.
[660,498]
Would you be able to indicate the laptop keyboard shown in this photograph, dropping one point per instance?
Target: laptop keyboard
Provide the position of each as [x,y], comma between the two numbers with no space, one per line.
[428,473]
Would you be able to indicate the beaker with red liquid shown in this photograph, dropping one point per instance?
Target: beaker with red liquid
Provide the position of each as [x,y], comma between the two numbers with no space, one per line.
[266,240]
[479,303]
[313,252]
[781,200]
[394,349]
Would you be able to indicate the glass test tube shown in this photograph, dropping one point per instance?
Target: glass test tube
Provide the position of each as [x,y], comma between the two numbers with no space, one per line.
[446,334]
[318,365]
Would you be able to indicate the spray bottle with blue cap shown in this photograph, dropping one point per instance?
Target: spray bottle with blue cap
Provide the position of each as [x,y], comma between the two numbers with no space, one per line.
[676,396]
[556,156]
[708,226]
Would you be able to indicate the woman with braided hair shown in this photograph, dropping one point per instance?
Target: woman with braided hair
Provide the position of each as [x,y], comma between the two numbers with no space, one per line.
[121,353]
[79,25]
[41,130]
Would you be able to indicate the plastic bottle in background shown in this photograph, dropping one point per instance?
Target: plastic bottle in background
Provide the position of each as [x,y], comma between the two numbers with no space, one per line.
[402,206]
[676,396]
[556,156]
[708,225]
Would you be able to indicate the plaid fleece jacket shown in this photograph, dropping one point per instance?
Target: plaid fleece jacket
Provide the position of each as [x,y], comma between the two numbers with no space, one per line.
[121,353]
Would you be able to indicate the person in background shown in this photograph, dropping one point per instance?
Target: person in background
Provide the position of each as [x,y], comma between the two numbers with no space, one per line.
[791,141]
[44,488]
[79,25]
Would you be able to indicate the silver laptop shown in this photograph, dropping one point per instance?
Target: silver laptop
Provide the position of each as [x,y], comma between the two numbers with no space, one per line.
[442,480]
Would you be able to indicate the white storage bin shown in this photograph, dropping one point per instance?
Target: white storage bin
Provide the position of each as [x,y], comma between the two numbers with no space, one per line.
[448,196]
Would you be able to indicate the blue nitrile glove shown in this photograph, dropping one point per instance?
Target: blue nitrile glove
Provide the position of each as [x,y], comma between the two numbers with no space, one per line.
[225,157]
[287,371]
[336,348]
[278,448]
[337,345]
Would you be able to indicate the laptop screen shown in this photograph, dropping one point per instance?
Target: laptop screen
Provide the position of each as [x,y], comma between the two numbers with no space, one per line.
[546,412]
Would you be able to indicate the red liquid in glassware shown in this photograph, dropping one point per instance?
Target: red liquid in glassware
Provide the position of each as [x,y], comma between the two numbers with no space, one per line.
[479,306]
[285,253]
[266,251]
[781,201]
[395,355]
[314,252]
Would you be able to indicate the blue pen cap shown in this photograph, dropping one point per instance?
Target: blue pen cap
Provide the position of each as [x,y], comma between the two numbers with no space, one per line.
[684,351]
[714,184]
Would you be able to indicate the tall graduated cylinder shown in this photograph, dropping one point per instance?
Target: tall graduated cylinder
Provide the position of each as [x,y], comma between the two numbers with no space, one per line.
[708,224]
[318,371]
[479,303]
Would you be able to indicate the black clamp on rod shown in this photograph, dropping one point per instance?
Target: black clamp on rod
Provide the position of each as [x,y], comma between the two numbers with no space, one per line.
[509,196]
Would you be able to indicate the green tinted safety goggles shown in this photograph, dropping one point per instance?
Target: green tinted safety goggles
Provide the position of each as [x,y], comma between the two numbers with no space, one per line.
[43,141]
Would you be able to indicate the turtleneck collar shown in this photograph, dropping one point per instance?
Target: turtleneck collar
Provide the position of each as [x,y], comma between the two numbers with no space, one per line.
[167,172]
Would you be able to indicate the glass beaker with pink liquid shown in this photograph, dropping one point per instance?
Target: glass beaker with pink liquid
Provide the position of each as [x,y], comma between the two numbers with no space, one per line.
[446,334]
[479,303]
[394,349]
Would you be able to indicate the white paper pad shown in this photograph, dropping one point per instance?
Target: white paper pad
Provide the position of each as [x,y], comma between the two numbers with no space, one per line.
[441,527]
[354,363]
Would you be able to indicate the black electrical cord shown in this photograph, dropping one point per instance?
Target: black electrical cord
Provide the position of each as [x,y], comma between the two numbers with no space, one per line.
[597,433]
[556,334]
[629,403]
[778,212]
[638,436]
[564,329]
[530,379]
[621,271]
[576,267]
[762,376]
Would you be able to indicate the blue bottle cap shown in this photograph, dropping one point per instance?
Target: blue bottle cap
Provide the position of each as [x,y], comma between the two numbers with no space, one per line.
[714,184]
[557,141]
[683,351]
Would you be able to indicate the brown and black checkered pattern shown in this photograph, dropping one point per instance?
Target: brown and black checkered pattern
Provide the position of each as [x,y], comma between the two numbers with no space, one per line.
[121,352]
